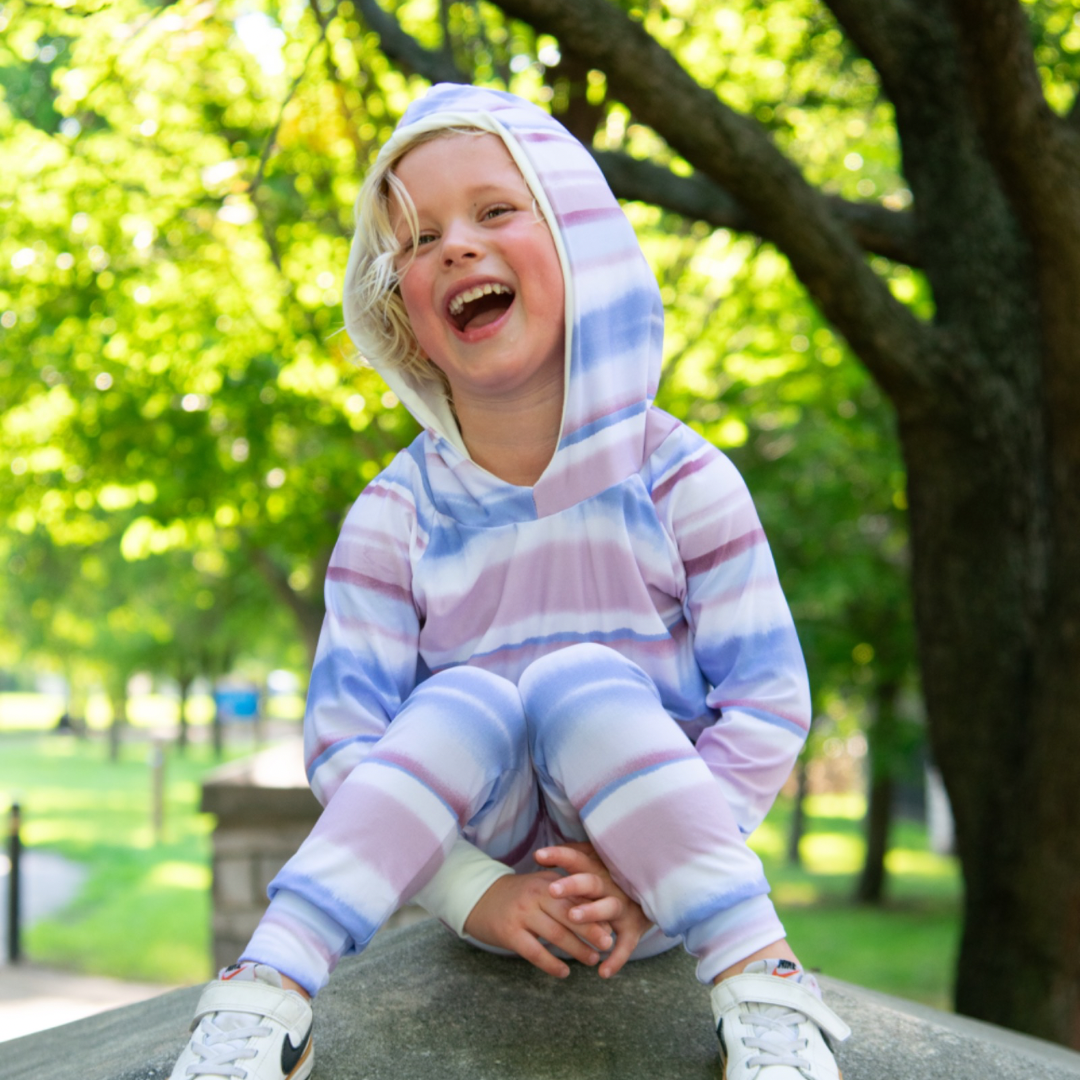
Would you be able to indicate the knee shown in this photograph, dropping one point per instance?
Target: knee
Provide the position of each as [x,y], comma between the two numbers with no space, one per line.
[463,703]
[579,688]
[579,669]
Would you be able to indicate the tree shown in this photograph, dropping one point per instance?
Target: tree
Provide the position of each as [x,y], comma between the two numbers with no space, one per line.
[985,386]
[164,383]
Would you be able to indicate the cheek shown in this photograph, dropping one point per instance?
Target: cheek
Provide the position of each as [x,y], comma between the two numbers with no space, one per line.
[549,271]
[417,301]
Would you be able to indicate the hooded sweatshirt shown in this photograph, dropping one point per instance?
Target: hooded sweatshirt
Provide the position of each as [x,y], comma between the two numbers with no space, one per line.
[639,534]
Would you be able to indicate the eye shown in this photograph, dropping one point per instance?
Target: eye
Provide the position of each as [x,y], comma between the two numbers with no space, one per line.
[497,211]
[407,247]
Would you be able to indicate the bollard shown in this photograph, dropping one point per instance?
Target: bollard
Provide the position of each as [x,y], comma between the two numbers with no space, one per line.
[157,789]
[14,945]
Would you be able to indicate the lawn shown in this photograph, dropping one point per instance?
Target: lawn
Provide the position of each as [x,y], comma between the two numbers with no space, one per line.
[145,913]
[905,947]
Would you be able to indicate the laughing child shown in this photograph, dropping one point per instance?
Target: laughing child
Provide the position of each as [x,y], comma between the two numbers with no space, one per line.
[558,684]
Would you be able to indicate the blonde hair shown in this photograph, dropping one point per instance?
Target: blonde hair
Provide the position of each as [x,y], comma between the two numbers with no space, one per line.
[374,311]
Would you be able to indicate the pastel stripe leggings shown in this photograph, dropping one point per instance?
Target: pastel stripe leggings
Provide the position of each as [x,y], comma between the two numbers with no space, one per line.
[580,749]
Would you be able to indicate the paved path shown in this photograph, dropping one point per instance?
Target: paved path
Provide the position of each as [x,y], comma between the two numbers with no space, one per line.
[34,998]
[49,883]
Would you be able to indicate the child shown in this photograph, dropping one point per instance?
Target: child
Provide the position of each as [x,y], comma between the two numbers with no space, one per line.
[558,684]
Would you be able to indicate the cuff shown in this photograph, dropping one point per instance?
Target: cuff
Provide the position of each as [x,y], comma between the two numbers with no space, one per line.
[463,878]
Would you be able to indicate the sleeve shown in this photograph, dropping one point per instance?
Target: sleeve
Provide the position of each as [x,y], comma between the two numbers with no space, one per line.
[365,663]
[744,639]
[462,879]
[366,666]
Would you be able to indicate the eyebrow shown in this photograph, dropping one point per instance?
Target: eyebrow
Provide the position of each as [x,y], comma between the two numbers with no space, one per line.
[485,188]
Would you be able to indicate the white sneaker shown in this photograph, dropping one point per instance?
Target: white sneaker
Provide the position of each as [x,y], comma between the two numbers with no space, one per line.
[249,1027]
[774,1026]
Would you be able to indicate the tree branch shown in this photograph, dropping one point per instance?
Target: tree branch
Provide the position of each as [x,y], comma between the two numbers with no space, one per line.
[406,50]
[736,154]
[308,611]
[878,31]
[875,229]
[1022,132]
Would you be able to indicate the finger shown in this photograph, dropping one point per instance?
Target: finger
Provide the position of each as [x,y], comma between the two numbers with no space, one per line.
[529,948]
[569,942]
[606,909]
[624,946]
[568,858]
[591,886]
[599,934]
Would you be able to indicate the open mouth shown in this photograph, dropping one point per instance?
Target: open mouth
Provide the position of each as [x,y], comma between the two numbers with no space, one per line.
[480,305]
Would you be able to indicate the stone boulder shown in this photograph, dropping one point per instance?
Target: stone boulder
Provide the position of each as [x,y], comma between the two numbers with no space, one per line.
[421,1004]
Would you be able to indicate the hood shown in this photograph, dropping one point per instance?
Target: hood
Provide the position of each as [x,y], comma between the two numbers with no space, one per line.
[614,316]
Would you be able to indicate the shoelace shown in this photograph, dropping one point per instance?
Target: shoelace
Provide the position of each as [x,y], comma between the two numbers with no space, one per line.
[221,1048]
[776,1036]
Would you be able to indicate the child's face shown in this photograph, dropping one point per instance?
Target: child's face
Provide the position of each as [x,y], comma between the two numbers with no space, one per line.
[484,292]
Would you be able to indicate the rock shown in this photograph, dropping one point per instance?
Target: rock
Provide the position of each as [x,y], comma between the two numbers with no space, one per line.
[421,1004]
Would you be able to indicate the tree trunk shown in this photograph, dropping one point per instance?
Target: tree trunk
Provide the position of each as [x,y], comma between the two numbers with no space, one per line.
[883,763]
[118,700]
[798,814]
[184,682]
[1001,674]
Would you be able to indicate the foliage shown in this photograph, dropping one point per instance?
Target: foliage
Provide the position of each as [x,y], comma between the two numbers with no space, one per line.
[165,381]
[172,381]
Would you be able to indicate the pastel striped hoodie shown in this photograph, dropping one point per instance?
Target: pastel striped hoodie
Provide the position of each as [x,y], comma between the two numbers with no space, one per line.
[639,534]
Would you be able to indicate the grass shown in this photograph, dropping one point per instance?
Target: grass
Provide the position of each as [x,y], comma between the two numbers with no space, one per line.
[907,946]
[145,912]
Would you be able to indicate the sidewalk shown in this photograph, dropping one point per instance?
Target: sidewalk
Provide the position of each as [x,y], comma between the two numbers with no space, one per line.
[34,998]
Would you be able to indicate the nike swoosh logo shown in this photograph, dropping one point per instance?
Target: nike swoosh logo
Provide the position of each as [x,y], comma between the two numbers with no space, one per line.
[291,1055]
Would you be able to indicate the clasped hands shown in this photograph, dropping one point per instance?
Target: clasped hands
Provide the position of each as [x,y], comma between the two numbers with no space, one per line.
[584,913]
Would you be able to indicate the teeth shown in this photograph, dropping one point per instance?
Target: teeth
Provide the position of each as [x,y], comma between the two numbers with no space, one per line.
[469,295]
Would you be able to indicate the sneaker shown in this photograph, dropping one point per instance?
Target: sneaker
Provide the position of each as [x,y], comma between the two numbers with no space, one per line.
[773,1025]
[249,1027]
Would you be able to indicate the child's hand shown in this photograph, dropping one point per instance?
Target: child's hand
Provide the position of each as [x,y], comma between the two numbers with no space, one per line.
[519,909]
[589,879]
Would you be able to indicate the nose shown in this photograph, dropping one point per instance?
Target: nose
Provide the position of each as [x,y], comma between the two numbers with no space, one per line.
[459,242]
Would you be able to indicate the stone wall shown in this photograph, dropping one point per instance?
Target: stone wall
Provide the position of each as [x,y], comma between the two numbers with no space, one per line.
[264,810]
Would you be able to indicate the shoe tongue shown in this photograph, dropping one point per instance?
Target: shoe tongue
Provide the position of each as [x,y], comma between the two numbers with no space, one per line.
[785,969]
[246,972]
[782,969]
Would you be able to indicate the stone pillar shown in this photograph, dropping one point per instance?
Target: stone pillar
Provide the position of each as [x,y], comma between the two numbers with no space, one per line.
[264,810]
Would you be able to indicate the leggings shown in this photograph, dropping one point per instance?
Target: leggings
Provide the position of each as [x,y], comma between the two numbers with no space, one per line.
[581,748]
